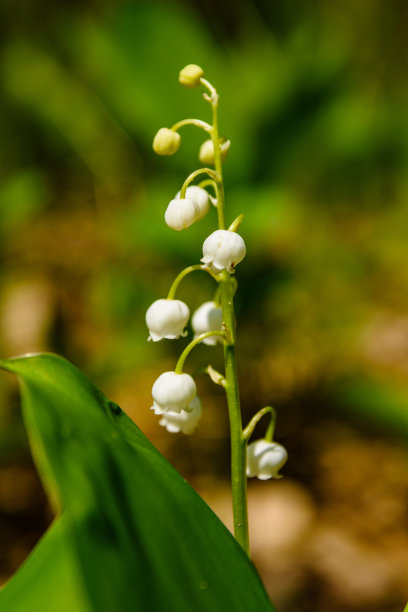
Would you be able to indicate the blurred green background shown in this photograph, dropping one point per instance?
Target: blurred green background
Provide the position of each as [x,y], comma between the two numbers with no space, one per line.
[313,98]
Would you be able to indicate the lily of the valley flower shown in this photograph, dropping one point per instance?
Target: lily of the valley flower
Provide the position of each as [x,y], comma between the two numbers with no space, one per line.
[181,213]
[167,319]
[183,421]
[265,459]
[173,393]
[208,317]
[200,197]
[223,250]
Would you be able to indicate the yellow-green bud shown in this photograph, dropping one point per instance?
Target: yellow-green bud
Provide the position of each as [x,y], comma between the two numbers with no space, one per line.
[166,142]
[206,154]
[190,75]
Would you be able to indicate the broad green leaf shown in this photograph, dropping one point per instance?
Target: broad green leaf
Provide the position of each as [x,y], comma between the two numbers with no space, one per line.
[47,580]
[135,535]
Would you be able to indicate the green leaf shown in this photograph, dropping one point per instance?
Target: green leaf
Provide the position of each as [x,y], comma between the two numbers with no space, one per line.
[47,580]
[134,534]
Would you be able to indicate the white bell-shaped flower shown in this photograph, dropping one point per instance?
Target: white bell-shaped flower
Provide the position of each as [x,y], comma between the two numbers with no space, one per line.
[223,250]
[167,319]
[208,317]
[173,392]
[264,459]
[183,421]
[200,197]
[181,213]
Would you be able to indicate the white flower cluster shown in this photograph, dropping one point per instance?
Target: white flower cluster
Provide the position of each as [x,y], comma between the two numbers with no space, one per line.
[265,459]
[174,395]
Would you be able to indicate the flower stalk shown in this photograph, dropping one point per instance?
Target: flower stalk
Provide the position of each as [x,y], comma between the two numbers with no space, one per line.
[222,251]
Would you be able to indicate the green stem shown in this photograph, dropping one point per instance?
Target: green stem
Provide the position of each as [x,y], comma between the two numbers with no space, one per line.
[193,343]
[192,176]
[238,443]
[213,99]
[179,278]
[197,122]
[249,429]
[236,223]
[208,183]
[227,290]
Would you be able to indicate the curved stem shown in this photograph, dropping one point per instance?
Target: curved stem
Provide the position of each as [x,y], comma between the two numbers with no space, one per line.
[207,183]
[172,291]
[197,122]
[193,343]
[249,429]
[208,85]
[192,176]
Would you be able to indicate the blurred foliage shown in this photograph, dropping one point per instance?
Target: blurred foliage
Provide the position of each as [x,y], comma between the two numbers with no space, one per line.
[313,98]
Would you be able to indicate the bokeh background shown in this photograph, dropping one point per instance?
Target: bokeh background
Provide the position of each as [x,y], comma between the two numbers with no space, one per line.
[313,98]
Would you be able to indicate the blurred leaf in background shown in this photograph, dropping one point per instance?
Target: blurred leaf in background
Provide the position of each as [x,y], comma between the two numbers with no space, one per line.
[314,98]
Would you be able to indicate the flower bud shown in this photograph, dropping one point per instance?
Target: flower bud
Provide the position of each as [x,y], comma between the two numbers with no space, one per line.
[167,319]
[223,250]
[264,459]
[208,317]
[206,154]
[173,392]
[200,197]
[166,142]
[186,422]
[181,213]
[190,75]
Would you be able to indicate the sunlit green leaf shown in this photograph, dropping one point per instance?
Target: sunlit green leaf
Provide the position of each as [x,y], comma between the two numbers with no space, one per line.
[135,535]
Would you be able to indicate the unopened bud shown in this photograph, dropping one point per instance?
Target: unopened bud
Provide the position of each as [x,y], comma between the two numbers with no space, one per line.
[206,154]
[166,142]
[190,75]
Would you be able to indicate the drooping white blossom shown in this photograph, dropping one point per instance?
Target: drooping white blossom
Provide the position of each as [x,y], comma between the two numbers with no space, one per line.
[183,421]
[208,317]
[181,213]
[264,459]
[167,319]
[200,197]
[223,250]
[173,392]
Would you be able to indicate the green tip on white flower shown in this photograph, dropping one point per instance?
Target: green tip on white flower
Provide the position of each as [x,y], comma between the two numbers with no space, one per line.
[166,142]
[190,75]
[206,154]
